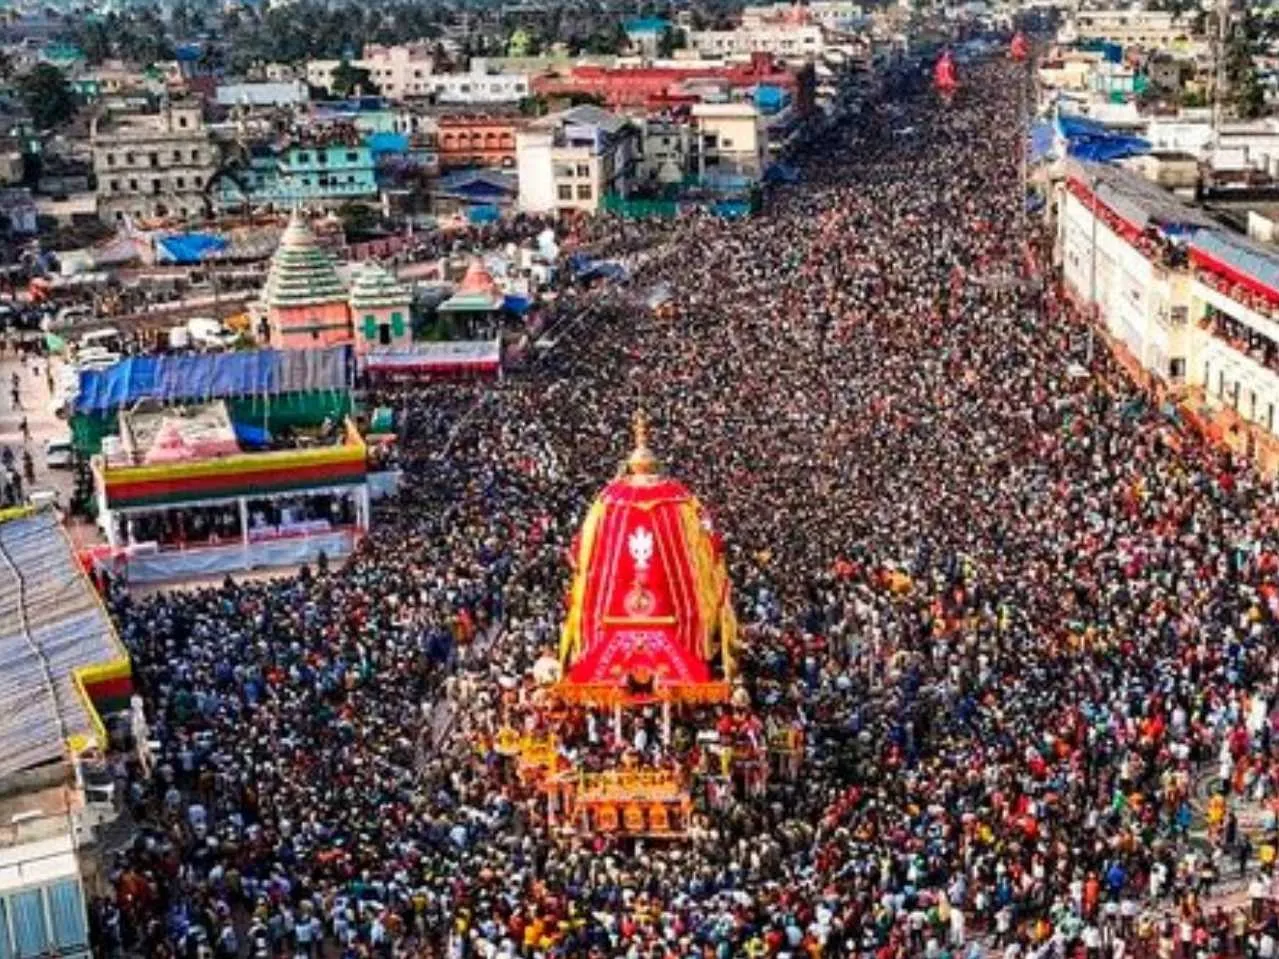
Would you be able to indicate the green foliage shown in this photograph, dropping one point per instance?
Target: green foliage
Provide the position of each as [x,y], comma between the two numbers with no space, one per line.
[47,96]
[670,41]
[1194,98]
[349,81]
[357,218]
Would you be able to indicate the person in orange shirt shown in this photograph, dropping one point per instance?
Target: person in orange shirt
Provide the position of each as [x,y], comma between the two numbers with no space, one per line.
[1092,893]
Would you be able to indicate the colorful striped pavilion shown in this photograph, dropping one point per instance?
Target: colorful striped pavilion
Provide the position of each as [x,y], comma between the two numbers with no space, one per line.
[188,492]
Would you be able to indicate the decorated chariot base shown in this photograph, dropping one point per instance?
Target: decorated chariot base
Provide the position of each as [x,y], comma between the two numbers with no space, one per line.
[637,725]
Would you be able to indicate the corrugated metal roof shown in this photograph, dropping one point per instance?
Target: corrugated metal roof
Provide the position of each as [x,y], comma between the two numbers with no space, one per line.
[51,624]
[1240,253]
[1136,199]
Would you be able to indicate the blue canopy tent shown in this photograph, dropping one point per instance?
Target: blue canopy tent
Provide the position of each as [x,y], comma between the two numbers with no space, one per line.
[1089,140]
[584,268]
[781,173]
[1042,141]
[731,209]
[386,142]
[483,213]
[250,436]
[517,304]
[188,249]
[1105,149]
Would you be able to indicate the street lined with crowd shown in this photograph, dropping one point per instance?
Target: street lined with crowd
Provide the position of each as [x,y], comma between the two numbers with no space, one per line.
[1016,611]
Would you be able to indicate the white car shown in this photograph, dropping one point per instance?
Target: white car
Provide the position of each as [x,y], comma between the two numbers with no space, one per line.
[57,453]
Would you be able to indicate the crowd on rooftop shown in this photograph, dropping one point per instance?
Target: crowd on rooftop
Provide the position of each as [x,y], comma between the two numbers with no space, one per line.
[1026,626]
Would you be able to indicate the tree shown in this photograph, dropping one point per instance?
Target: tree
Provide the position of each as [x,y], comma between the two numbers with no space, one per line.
[347,80]
[669,41]
[47,96]
[357,219]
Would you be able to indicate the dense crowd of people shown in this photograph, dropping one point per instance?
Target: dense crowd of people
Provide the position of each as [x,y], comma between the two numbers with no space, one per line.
[1014,609]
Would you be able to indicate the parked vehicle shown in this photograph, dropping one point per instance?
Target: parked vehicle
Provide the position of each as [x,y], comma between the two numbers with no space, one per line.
[58,453]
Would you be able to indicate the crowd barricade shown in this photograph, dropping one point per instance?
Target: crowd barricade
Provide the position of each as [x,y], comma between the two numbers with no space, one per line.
[155,566]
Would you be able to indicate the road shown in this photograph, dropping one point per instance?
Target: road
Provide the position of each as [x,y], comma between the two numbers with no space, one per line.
[35,406]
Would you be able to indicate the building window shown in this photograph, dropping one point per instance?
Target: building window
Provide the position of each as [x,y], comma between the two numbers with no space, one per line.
[304,157]
[352,157]
[727,144]
[181,182]
[584,191]
[565,192]
[110,159]
[583,170]
[153,159]
[182,122]
[115,186]
[128,158]
[29,932]
[155,187]
[322,158]
[198,181]
[66,914]
[133,186]
[315,331]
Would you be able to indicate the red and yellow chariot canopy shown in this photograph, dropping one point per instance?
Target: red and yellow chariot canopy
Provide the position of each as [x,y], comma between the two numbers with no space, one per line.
[650,614]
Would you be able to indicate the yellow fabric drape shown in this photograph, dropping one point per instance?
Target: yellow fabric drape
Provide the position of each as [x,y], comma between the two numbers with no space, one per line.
[571,634]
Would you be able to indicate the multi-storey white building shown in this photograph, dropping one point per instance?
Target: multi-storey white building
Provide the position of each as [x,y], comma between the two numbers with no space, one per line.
[786,40]
[1194,307]
[1151,29]
[730,138]
[399,72]
[573,160]
[666,149]
[478,88]
[832,14]
[153,165]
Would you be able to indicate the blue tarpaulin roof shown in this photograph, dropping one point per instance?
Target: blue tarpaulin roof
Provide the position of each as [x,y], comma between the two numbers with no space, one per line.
[1104,149]
[1042,140]
[252,436]
[645,25]
[770,98]
[583,268]
[781,173]
[485,213]
[387,142]
[1089,140]
[201,377]
[1071,127]
[731,209]
[188,248]
[516,303]
[1110,52]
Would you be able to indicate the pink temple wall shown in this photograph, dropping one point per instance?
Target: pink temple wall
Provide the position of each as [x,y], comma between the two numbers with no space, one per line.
[291,326]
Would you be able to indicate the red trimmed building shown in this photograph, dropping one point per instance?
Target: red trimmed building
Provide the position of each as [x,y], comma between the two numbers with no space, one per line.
[190,493]
[672,85]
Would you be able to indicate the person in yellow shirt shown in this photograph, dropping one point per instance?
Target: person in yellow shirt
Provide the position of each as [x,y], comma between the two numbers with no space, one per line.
[1266,854]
